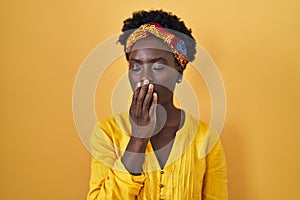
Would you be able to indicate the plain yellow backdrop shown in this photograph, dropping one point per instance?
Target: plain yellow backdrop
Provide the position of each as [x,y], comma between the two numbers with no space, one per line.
[255,44]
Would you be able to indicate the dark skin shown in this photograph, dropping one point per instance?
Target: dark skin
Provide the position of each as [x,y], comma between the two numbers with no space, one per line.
[153,74]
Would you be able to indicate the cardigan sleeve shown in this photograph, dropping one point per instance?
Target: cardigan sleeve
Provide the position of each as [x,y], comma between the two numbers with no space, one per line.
[109,178]
[215,178]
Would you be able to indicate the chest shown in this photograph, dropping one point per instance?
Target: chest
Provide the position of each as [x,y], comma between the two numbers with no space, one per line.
[181,179]
[162,145]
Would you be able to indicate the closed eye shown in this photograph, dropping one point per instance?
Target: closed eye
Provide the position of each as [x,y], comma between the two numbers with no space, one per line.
[135,67]
[158,67]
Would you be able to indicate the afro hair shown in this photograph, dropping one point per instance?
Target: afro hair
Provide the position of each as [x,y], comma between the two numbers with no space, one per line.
[166,19]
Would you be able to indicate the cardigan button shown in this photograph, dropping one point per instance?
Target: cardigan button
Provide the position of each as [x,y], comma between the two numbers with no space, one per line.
[162,172]
[161,185]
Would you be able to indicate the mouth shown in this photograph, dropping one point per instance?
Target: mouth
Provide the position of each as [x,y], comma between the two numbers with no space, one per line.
[160,89]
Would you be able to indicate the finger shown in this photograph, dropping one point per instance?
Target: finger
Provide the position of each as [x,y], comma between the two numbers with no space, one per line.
[136,93]
[141,95]
[147,100]
[139,84]
[152,110]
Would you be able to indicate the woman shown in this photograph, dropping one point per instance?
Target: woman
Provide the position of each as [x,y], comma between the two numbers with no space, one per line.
[156,150]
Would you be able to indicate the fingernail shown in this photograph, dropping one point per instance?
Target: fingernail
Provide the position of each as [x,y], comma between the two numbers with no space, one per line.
[145,82]
[150,86]
[139,84]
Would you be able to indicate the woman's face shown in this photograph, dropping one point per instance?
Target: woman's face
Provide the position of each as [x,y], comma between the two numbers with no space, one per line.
[151,59]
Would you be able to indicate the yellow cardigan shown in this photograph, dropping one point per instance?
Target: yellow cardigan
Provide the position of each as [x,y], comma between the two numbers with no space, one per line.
[195,169]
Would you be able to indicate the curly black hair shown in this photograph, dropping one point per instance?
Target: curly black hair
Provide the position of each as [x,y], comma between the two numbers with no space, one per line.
[165,19]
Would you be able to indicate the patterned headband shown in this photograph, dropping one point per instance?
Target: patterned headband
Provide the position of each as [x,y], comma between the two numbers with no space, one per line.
[176,45]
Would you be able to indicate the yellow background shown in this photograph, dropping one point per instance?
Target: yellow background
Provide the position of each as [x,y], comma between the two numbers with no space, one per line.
[255,44]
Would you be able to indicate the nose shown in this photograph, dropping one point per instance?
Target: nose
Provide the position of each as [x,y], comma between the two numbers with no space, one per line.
[146,73]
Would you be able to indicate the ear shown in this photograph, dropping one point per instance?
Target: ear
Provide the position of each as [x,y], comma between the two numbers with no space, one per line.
[179,78]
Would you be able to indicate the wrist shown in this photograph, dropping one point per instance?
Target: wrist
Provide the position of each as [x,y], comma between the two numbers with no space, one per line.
[140,140]
[137,145]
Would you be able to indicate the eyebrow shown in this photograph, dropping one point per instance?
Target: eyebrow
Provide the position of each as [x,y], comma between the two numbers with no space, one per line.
[150,61]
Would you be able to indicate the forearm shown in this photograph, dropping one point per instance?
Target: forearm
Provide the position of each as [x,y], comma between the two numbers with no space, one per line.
[113,183]
[134,155]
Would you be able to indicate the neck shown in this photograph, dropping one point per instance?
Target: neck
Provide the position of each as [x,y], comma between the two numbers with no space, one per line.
[169,107]
[172,114]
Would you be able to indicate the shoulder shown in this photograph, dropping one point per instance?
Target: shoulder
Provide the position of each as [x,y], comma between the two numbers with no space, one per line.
[108,139]
[195,125]
[205,137]
[115,123]
[113,130]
